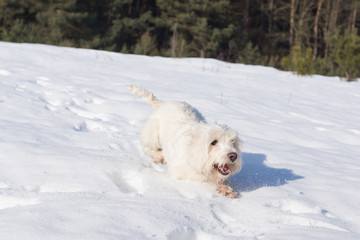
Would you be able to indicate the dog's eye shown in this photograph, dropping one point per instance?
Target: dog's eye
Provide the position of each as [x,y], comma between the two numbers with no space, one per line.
[214,142]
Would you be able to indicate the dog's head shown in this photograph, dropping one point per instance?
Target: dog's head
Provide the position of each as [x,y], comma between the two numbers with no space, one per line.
[217,153]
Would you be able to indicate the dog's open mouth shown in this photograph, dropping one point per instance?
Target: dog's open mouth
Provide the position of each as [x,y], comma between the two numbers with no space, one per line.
[223,169]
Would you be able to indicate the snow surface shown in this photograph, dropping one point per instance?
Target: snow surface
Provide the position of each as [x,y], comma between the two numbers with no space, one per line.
[71,166]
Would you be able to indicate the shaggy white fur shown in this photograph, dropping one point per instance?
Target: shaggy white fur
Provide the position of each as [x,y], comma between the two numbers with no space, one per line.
[177,134]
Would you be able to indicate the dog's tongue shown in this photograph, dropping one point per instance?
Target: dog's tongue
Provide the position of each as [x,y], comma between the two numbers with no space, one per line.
[225,168]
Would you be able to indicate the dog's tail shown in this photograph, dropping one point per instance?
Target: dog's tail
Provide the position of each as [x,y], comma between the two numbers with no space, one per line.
[146,95]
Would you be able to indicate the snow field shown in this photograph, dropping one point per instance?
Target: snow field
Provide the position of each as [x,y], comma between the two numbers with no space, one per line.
[72,166]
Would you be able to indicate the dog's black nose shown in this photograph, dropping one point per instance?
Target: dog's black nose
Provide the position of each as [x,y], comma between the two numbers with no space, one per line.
[232,156]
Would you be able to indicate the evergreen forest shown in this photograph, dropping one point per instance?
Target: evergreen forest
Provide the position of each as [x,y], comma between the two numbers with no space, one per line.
[305,36]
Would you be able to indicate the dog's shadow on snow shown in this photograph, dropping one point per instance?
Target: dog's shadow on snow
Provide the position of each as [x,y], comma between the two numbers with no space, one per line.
[255,174]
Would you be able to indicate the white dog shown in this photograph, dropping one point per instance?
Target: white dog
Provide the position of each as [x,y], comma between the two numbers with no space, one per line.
[193,149]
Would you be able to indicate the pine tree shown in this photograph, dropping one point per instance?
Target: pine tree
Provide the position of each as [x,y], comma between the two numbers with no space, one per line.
[299,60]
[127,22]
[249,55]
[146,45]
[63,22]
[347,54]
[201,24]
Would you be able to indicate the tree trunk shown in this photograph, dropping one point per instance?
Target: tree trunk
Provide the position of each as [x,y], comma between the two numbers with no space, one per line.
[316,28]
[202,53]
[348,76]
[174,40]
[271,16]
[326,27]
[291,32]
[333,16]
[352,21]
[246,20]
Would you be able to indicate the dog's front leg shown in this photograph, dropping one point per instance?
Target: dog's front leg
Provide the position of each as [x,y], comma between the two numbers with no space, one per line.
[227,191]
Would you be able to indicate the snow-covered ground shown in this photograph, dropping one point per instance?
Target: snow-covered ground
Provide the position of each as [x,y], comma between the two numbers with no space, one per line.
[71,166]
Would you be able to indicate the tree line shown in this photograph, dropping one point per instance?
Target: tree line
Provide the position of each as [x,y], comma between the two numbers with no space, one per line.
[306,36]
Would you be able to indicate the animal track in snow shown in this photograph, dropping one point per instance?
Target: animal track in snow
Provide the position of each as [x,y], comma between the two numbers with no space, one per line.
[128,181]
[51,104]
[94,126]
[94,100]
[97,126]
[42,81]
[10,198]
[303,214]
[307,222]
[87,114]
[293,206]
[222,217]
[180,234]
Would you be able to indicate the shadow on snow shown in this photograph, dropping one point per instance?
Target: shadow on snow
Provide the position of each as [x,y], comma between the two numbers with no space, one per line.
[255,174]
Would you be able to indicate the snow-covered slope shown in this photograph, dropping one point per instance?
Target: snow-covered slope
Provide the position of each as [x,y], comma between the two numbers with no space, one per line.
[71,166]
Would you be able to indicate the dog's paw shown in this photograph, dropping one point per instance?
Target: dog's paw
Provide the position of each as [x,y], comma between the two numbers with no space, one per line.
[157,156]
[160,159]
[227,191]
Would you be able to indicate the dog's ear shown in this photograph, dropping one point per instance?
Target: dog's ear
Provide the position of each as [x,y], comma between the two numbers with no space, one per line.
[238,144]
[197,149]
[196,137]
[192,134]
